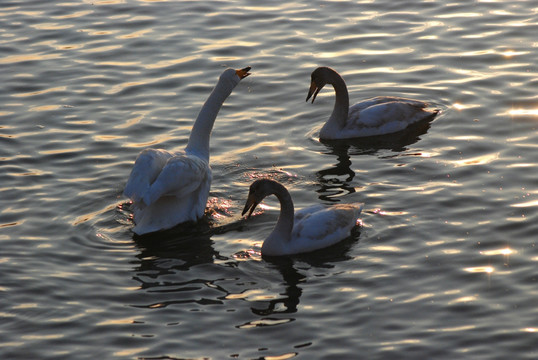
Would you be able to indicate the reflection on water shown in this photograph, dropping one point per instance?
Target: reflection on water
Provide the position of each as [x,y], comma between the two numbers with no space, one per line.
[292,292]
[336,181]
[190,243]
[86,85]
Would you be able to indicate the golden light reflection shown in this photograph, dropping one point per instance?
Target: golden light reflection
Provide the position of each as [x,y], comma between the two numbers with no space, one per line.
[523,112]
[389,213]
[506,251]
[526,204]
[108,137]
[117,322]
[511,53]
[479,160]
[281,357]
[419,297]
[460,106]
[33,93]
[135,34]
[463,299]
[25,306]
[117,63]
[480,269]
[102,49]
[130,352]
[51,26]
[481,35]
[458,328]
[385,248]
[254,295]
[519,165]
[28,57]
[266,322]
[466,137]
[459,15]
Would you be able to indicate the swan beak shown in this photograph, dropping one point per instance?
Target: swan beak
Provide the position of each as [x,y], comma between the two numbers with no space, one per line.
[314,90]
[243,73]
[250,205]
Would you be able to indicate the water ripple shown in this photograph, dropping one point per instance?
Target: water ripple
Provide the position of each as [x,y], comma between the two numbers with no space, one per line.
[450,220]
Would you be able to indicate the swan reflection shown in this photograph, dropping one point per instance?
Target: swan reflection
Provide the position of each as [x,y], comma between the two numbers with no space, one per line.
[337,180]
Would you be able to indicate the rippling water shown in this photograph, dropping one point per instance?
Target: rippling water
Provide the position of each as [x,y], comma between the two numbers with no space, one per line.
[443,266]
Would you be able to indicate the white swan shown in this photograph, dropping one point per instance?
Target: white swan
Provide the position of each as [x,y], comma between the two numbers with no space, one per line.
[308,229]
[377,116]
[168,188]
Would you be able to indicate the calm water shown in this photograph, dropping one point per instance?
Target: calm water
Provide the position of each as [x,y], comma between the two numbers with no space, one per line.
[444,265]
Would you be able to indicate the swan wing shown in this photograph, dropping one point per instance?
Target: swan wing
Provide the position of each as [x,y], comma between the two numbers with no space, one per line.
[147,167]
[182,175]
[305,212]
[384,115]
[358,107]
[320,228]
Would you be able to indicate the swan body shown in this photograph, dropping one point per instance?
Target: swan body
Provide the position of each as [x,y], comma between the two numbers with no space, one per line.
[377,116]
[168,188]
[306,230]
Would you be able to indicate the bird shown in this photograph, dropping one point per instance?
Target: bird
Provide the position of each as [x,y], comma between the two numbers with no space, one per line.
[311,228]
[376,116]
[171,187]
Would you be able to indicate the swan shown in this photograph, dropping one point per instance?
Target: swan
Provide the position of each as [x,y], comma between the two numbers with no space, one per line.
[376,116]
[168,188]
[308,229]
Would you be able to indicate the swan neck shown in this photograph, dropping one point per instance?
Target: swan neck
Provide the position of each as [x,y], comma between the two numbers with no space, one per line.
[284,224]
[203,125]
[341,105]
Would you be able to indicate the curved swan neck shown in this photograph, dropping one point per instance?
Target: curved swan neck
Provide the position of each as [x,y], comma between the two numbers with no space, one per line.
[339,115]
[284,225]
[201,130]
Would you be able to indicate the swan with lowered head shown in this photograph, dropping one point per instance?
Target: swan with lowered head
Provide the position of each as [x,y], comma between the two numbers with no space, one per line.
[376,116]
[168,188]
[305,230]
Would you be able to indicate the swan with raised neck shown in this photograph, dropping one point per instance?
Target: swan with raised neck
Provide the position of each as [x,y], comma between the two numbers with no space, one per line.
[171,187]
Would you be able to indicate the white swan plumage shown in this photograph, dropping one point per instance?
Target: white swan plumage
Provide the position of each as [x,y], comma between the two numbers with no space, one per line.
[168,188]
[376,116]
[312,228]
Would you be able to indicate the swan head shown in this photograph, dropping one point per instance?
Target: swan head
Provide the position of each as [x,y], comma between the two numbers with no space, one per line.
[319,78]
[259,189]
[234,76]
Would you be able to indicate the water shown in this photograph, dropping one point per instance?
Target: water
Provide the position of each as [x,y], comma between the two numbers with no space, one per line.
[443,266]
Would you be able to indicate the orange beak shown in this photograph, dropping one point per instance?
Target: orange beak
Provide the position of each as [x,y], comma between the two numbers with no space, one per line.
[243,73]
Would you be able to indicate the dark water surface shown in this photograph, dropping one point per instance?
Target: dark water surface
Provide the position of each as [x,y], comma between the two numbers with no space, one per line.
[444,265]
